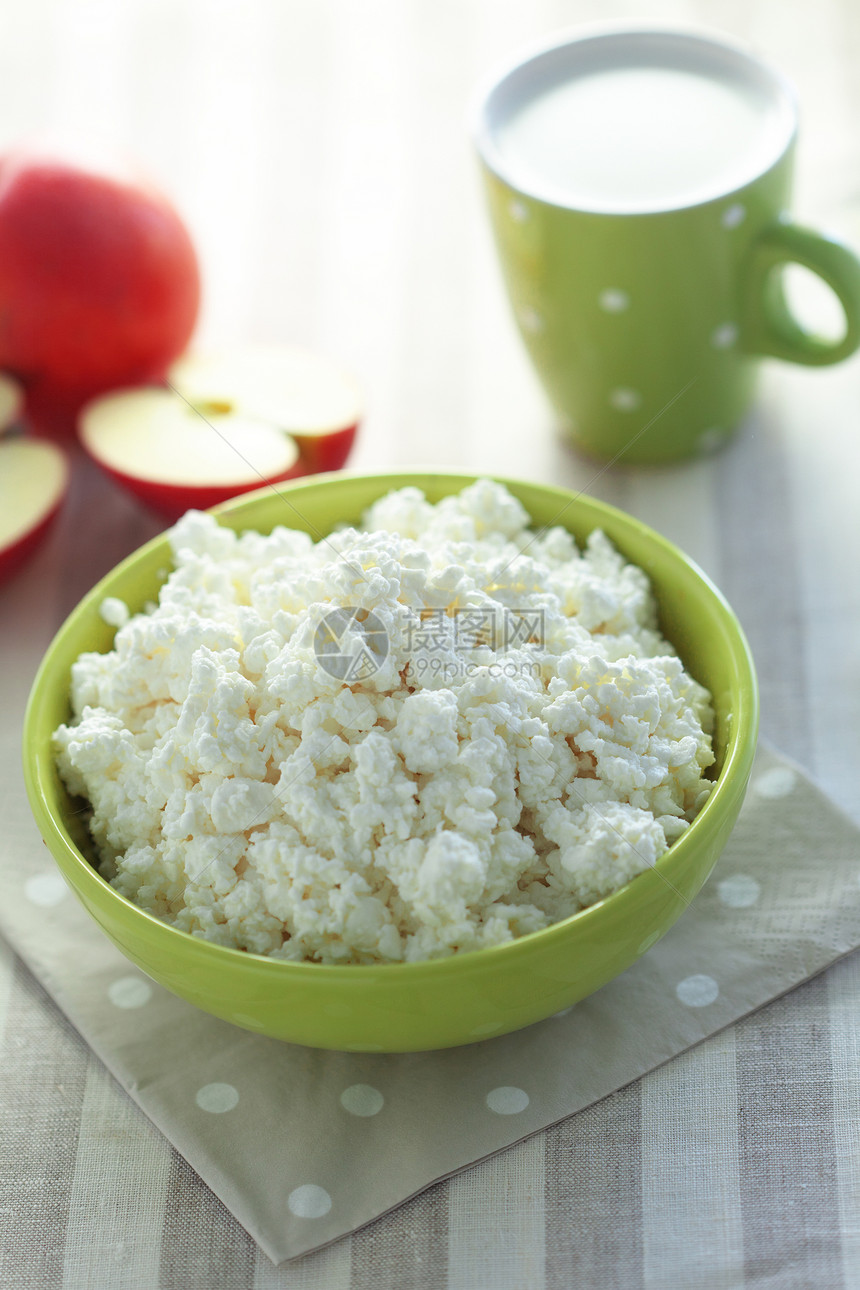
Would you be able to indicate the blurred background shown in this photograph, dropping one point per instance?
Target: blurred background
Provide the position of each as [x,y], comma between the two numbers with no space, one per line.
[319,150]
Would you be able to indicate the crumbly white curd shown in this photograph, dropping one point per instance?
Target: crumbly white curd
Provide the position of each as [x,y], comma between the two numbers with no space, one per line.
[432,734]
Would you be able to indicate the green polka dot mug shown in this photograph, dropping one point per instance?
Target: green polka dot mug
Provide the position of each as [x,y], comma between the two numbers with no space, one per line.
[638,183]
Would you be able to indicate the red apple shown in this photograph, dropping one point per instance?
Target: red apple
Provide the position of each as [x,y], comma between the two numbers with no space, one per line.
[305,394]
[172,457]
[34,479]
[99,282]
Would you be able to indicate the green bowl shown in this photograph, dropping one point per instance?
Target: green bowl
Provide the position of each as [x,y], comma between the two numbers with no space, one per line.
[405,1007]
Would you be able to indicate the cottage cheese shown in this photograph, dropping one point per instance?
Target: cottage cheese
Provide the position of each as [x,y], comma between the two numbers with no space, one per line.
[433,734]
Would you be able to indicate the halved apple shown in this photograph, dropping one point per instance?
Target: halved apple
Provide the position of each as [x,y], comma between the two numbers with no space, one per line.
[34,479]
[305,394]
[11,401]
[173,457]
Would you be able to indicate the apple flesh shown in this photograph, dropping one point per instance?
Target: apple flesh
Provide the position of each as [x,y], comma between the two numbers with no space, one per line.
[173,457]
[304,394]
[99,283]
[34,479]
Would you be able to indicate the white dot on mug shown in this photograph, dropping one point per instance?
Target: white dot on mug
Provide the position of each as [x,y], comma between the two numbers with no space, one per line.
[624,399]
[711,440]
[724,336]
[734,215]
[530,319]
[518,211]
[613,300]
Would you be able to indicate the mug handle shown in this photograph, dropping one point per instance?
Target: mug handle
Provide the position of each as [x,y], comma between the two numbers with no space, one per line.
[770,327]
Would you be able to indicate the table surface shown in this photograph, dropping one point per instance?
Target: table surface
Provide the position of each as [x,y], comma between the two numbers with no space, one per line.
[320,154]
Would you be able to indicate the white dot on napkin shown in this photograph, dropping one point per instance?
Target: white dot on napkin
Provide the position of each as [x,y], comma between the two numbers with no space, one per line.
[129,992]
[697,991]
[362,1099]
[740,891]
[624,399]
[724,337]
[734,215]
[309,1201]
[778,782]
[217,1098]
[45,889]
[507,1100]
[614,300]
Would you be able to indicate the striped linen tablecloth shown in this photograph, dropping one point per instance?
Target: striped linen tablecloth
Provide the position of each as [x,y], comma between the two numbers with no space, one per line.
[320,154]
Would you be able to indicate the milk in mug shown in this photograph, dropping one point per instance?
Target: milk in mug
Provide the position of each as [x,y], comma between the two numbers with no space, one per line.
[639,138]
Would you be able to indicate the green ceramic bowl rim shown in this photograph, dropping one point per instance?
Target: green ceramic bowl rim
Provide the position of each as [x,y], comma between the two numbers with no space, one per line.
[38,762]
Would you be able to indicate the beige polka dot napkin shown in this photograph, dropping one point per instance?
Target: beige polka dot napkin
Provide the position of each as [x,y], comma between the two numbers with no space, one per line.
[304,1146]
